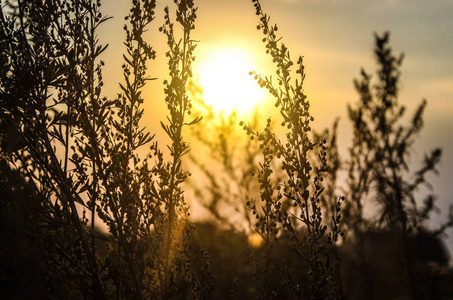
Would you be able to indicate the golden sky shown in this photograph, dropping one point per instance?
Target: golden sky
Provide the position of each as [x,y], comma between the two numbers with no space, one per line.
[336,39]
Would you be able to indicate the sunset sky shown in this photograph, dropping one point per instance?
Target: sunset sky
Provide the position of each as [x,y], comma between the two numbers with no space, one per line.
[336,39]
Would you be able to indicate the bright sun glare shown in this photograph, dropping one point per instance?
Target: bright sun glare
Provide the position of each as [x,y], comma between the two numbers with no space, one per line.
[226,83]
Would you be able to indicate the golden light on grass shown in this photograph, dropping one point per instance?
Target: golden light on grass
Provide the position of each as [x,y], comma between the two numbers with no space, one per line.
[255,240]
[226,83]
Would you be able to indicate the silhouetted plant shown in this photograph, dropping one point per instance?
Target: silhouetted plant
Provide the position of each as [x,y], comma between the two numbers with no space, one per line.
[378,167]
[50,49]
[315,245]
[381,146]
[78,151]
[172,264]
[121,203]
[329,196]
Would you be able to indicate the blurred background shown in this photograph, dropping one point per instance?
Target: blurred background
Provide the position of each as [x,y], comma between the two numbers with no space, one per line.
[336,40]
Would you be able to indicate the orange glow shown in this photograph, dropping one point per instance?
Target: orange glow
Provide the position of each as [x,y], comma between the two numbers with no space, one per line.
[255,240]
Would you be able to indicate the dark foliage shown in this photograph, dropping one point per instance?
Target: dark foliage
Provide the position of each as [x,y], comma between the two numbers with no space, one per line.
[84,216]
[70,163]
[378,169]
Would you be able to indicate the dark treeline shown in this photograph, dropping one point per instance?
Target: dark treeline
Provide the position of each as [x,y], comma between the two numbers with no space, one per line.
[84,216]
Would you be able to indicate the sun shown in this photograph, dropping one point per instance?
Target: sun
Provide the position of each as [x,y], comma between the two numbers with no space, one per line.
[226,83]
